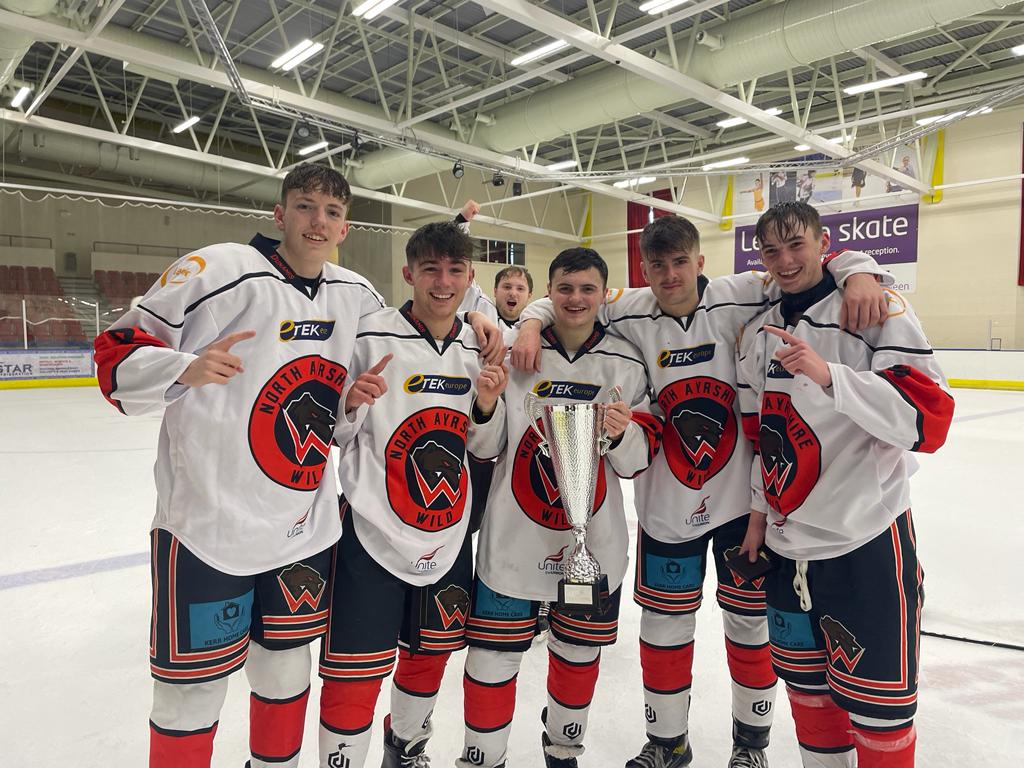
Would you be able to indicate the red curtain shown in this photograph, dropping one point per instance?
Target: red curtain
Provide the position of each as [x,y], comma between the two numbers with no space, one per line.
[637,217]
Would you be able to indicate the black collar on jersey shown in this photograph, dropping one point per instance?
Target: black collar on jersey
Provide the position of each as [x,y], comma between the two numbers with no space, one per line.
[795,304]
[507,323]
[268,247]
[685,321]
[548,334]
[423,331]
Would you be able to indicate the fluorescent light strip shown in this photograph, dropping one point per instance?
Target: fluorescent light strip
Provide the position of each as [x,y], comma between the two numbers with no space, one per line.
[306,54]
[875,85]
[1017,50]
[655,7]
[802,147]
[731,122]
[376,9]
[291,54]
[539,53]
[562,166]
[313,148]
[20,96]
[627,183]
[726,163]
[184,126]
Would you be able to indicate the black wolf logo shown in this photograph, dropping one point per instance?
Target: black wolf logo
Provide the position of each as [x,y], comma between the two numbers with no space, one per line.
[438,472]
[311,426]
[453,605]
[775,467]
[699,435]
[301,584]
[842,645]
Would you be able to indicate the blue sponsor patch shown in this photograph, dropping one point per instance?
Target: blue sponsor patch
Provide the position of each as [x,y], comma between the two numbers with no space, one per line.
[776,371]
[429,384]
[676,358]
[488,604]
[791,630]
[566,390]
[672,574]
[212,625]
[306,330]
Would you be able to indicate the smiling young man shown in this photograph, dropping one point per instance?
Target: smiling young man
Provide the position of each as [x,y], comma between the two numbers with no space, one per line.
[403,568]
[526,539]
[695,494]
[246,518]
[834,414]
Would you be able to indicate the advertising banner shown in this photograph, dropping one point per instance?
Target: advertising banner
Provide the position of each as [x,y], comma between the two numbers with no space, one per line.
[20,364]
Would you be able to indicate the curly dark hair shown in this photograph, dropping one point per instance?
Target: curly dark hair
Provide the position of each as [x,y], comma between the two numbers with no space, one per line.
[784,219]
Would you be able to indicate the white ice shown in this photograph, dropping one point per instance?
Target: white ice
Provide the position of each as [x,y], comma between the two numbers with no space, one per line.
[77,487]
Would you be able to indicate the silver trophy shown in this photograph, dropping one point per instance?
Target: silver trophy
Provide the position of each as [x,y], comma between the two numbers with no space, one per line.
[575,440]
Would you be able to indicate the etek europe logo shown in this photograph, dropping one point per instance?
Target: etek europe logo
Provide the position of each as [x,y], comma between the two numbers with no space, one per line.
[566,390]
[432,384]
[306,330]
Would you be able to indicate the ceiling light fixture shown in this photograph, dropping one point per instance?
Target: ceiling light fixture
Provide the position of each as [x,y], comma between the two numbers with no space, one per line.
[313,148]
[887,82]
[726,163]
[802,147]
[1017,50]
[655,7]
[539,53]
[185,125]
[458,170]
[564,165]
[731,122]
[290,59]
[497,179]
[21,95]
[291,53]
[627,183]
[371,9]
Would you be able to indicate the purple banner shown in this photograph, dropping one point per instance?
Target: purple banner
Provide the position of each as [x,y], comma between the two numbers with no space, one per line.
[887,234]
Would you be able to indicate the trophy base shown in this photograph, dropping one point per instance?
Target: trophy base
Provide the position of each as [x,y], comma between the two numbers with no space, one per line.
[583,599]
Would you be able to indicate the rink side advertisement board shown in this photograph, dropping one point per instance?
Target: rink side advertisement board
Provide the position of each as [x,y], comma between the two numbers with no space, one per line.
[861,211]
[31,364]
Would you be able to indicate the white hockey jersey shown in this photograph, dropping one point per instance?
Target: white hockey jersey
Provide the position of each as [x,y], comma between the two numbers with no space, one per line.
[404,473]
[526,538]
[833,467]
[699,480]
[476,300]
[239,466]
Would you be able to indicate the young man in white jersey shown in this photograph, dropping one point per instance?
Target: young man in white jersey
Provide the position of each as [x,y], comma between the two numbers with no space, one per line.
[526,539]
[694,494]
[246,519]
[834,414]
[403,568]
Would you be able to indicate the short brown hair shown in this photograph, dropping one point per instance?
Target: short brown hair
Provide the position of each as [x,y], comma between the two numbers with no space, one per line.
[309,177]
[514,272]
[783,219]
[669,234]
[439,240]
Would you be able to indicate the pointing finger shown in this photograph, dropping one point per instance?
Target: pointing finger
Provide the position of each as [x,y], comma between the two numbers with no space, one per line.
[231,339]
[786,336]
[381,364]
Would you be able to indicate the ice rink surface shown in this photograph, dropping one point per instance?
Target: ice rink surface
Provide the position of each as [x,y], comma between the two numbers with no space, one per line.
[78,497]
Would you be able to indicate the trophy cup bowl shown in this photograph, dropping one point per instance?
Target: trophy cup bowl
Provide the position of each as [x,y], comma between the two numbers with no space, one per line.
[575,441]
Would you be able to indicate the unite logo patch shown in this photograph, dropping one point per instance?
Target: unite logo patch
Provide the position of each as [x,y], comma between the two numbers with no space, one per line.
[675,358]
[790,453]
[566,390]
[309,330]
[535,488]
[425,469]
[292,421]
[428,383]
[703,429]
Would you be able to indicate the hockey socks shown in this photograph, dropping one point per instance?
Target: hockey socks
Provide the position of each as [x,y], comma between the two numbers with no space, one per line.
[414,692]
[753,679]
[666,658]
[823,730]
[277,704]
[881,747]
[183,723]
[489,686]
[346,714]
[572,677]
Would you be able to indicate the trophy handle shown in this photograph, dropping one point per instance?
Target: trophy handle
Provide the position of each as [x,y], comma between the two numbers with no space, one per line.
[535,411]
[605,444]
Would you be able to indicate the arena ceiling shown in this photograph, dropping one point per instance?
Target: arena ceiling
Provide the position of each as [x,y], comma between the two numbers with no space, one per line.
[424,84]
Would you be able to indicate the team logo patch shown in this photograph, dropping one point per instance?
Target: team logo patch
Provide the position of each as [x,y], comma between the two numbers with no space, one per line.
[670,574]
[426,476]
[566,390]
[425,383]
[426,562]
[790,453]
[183,270]
[776,371]
[301,585]
[292,421]
[453,605]
[572,730]
[475,755]
[675,358]
[700,516]
[842,645]
[220,622]
[338,758]
[308,330]
[787,629]
[535,488]
[553,563]
[488,604]
[761,708]
[703,434]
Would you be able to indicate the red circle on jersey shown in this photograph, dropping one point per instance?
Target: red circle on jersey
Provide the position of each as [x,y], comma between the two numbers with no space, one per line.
[425,469]
[790,453]
[292,421]
[535,488]
[700,430]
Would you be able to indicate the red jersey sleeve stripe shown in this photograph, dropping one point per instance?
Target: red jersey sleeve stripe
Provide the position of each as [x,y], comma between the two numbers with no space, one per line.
[112,348]
[651,426]
[751,427]
[933,404]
